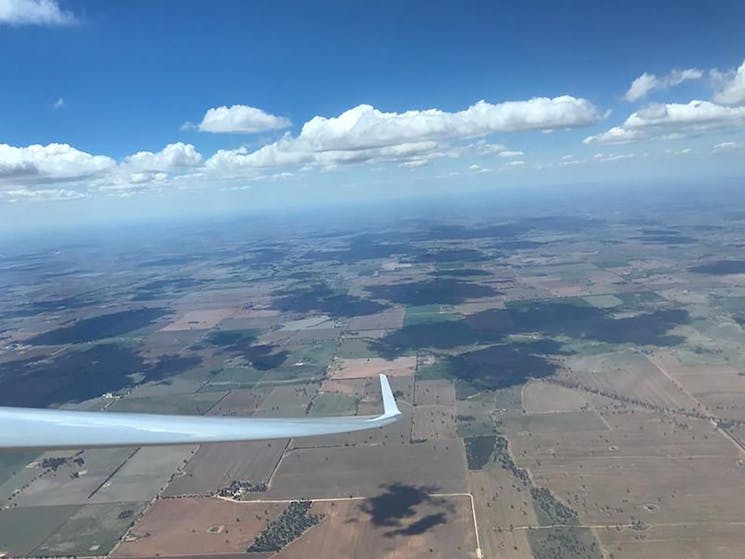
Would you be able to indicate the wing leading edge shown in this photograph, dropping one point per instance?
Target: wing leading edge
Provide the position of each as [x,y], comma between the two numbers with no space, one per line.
[63,429]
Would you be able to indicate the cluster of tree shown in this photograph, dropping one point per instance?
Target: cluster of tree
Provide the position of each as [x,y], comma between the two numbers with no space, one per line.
[479,451]
[290,525]
[563,543]
[54,462]
[554,509]
[628,400]
[237,488]
[504,458]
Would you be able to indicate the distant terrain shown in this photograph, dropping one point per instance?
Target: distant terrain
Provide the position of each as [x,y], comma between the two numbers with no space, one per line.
[571,371]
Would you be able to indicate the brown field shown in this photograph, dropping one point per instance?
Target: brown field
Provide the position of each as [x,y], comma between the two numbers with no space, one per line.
[255,292]
[500,503]
[365,334]
[629,374]
[568,289]
[196,526]
[287,400]
[480,306]
[435,392]
[390,319]
[648,466]
[199,319]
[348,531]
[241,401]
[719,388]
[351,387]
[300,336]
[398,433]
[402,386]
[705,541]
[363,470]
[215,465]
[557,422]
[367,367]
[256,313]
[434,422]
[543,397]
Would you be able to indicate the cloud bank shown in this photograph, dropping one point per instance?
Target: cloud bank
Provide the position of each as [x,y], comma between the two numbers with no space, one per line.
[34,12]
[365,133]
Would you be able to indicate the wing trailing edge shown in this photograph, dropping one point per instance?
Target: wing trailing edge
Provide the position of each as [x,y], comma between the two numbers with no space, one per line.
[27,428]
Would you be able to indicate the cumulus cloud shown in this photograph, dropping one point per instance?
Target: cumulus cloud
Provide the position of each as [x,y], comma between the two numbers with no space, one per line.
[672,120]
[364,133]
[34,12]
[646,83]
[511,153]
[53,161]
[239,119]
[173,156]
[729,86]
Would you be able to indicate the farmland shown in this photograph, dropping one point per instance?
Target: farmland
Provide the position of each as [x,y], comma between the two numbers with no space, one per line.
[572,386]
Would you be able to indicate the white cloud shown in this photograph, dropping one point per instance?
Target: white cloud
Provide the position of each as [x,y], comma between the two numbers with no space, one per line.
[645,83]
[173,156]
[39,195]
[603,157]
[34,12]
[485,148]
[508,153]
[239,119]
[58,104]
[364,134]
[53,161]
[672,121]
[728,146]
[514,164]
[730,86]
[366,127]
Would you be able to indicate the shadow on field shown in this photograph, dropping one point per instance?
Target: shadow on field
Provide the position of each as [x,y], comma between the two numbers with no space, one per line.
[398,508]
[241,342]
[490,359]
[322,299]
[720,267]
[442,291]
[546,318]
[75,376]
[100,327]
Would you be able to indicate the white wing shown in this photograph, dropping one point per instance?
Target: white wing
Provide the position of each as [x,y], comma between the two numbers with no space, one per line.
[62,429]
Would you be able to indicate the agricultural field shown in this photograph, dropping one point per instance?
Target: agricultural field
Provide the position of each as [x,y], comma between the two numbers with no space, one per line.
[572,385]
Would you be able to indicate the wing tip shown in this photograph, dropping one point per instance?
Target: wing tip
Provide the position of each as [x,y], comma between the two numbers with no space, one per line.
[390,408]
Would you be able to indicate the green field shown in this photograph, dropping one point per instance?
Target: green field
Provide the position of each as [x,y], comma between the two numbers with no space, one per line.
[419,314]
[24,529]
[333,404]
[92,530]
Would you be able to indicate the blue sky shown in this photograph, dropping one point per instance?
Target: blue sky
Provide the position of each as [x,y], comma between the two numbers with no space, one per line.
[111,107]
